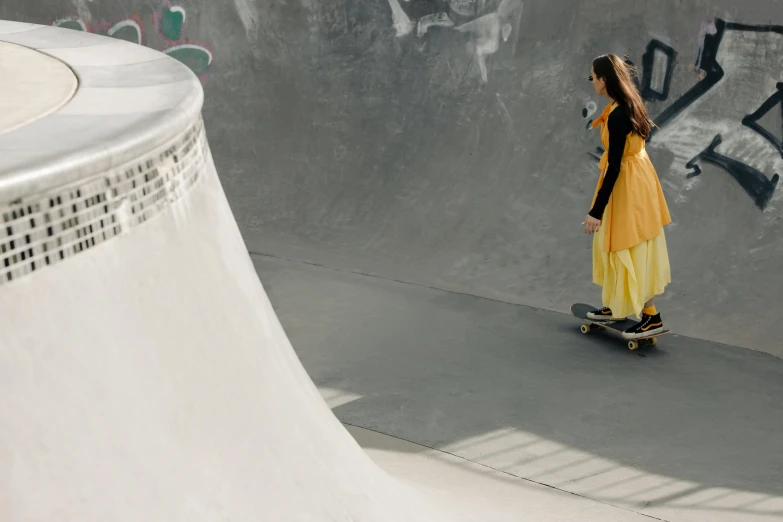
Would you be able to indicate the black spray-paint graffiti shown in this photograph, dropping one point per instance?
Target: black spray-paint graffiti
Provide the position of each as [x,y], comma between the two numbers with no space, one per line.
[487,22]
[656,77]
[758,187]
[728,100]
[752,120]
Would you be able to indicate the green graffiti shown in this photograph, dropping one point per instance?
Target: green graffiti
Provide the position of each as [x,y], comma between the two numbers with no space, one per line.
[196,57]
[70,23]
[169,21]
[172,20]
[128,30]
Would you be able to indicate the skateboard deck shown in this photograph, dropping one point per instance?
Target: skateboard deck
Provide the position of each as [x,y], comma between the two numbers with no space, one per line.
[580,311]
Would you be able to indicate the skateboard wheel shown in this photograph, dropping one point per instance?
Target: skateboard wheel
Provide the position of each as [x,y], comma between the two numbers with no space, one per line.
[654,341]
[585,328]
[633,345]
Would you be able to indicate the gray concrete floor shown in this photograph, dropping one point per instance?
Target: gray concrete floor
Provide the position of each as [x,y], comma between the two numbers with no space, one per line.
[687,430]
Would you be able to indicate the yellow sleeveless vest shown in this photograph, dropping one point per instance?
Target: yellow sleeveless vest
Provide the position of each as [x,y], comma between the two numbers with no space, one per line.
[637,210]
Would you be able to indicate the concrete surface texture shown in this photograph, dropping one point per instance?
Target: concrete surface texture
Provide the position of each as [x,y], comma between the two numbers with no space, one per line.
[444,142]
[143,371]
[503,394]
[479,490]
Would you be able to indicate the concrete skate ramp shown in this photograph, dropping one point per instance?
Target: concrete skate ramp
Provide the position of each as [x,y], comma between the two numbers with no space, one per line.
[444,143]
[345,138]
[143,372]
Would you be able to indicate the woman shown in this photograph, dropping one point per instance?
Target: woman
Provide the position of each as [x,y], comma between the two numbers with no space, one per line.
[630,258]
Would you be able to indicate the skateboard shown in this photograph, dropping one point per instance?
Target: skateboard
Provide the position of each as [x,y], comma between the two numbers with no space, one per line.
[580,311]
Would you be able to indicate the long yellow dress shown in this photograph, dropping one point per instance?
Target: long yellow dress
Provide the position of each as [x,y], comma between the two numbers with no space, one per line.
[630,256]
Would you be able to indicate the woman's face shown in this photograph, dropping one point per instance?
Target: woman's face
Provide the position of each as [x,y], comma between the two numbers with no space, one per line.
[598,83]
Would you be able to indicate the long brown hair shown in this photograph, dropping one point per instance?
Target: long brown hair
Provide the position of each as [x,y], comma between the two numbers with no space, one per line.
[620,86]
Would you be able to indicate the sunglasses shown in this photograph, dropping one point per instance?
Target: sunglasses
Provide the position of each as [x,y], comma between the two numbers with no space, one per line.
[590,78]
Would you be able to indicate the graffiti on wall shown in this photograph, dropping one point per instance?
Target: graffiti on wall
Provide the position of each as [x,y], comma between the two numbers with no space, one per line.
[732,116]
[488,23]
[169,22]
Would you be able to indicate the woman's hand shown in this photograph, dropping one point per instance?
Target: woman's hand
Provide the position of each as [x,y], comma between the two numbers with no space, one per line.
[591,225]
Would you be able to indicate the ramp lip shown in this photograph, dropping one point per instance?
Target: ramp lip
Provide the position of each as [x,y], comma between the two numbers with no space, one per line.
[125,144]
[101,127]
[9,27]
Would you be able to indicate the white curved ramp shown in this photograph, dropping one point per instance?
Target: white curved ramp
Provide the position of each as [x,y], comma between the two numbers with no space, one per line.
[143,371]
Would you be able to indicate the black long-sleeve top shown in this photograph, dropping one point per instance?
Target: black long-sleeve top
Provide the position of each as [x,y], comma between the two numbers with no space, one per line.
[619,126]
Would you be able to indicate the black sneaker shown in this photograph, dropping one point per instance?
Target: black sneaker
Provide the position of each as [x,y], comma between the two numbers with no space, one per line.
[649,325]
[604,314]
